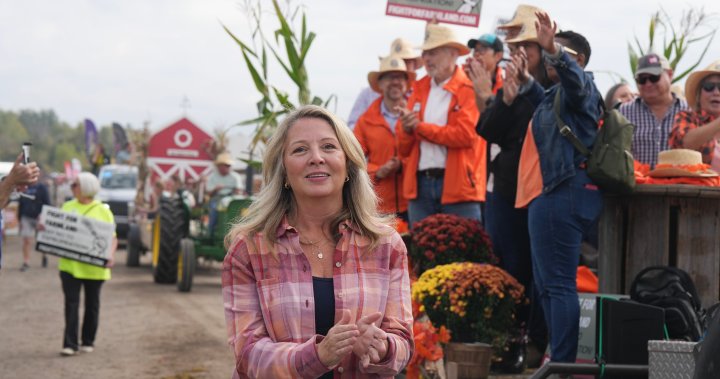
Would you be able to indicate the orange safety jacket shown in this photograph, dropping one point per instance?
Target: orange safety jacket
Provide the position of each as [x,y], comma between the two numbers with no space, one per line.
[465,168]
[379,145]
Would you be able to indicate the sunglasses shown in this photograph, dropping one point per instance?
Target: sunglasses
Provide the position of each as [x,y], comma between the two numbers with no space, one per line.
[643,79]
[710,86]
[75,184]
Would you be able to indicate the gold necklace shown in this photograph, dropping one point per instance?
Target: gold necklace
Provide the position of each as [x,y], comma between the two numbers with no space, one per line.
[314,244]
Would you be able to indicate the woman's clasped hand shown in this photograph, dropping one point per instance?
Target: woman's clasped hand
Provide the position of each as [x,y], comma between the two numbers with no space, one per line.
[368,342]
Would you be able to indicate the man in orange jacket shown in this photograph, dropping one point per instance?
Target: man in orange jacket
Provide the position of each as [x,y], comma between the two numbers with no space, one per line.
[445,158]
[375,129]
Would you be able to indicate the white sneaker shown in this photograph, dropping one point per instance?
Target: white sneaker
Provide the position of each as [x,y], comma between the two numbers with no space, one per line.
[67,352]
[87,349]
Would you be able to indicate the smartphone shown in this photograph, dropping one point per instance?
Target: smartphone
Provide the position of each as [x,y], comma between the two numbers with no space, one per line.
[26,152]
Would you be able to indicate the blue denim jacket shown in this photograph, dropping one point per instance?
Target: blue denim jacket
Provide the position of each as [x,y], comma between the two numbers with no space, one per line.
[581,111]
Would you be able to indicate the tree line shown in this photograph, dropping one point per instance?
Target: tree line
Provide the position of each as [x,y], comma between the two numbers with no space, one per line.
[54,141]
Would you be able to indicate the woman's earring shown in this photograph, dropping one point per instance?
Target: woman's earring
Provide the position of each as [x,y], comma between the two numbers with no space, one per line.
[347,179]
[287,186]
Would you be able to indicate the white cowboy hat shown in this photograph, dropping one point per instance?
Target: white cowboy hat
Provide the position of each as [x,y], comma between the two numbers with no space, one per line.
[403,48]
[439,35]
[389,64]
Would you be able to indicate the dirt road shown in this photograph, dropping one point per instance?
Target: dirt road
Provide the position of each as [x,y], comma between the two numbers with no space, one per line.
[146,330]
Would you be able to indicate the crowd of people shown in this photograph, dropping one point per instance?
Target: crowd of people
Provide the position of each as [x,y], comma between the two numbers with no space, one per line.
[477,137]
[316,281]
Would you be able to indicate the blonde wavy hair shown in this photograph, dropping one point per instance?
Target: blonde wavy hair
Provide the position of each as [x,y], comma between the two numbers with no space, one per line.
[274,201]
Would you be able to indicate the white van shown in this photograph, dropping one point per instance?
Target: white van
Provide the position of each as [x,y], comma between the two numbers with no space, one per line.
[118,186]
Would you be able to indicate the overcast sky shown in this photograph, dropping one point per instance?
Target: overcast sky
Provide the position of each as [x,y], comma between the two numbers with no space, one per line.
[133,60]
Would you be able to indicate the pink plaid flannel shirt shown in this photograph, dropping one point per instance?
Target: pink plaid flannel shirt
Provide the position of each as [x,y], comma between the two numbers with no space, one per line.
[270,308]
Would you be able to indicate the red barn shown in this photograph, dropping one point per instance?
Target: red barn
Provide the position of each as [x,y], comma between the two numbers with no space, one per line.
[177,150]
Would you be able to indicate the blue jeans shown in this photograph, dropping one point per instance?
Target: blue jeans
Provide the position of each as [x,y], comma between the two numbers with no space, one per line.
[429,192]
[507,227]
[558,220]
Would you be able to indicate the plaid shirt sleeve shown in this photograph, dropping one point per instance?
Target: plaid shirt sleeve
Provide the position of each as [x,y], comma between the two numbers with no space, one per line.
[397,320]
[684,122]
[256,354]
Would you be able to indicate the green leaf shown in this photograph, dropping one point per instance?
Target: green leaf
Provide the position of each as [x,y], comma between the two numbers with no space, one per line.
[283,97]
[303,31]
[286,32]
[291,73]
[633,59]
[243,46]
[264,62]
[254,121]
[331,98]
[257,79]
[651,32]
[640,51]
[257,165]
[306,47]
[316,101]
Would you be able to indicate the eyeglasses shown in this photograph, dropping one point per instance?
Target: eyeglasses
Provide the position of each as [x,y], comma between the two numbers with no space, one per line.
[710,86]
[644,78]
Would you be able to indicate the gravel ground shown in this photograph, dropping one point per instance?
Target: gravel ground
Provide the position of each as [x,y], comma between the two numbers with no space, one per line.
[146,330]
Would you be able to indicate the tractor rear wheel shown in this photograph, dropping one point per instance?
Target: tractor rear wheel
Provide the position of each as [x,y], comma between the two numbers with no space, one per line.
[172,229]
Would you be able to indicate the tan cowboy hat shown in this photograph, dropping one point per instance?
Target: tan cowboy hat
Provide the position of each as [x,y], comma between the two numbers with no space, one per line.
[680,162]
[388,64]
[402,48]
[224,158]
[524,14]
[524,22]
[439,35]
[692,85]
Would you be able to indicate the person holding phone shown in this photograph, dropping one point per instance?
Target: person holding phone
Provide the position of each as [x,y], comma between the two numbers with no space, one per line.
[21,175]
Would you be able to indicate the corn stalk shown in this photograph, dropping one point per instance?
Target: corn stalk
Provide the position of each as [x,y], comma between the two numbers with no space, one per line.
[289,48]
[695,27]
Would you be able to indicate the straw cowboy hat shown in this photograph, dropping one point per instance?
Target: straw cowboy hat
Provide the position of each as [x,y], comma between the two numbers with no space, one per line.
[523,22]
[224,158]
[681,162]
[389,64]
[692,85]
[402,48]
[439,35]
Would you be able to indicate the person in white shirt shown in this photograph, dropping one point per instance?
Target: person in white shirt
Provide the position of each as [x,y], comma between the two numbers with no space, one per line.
[223,182]
[445,170]
[399,48]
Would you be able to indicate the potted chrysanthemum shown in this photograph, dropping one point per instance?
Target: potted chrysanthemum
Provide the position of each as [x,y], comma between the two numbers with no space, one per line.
[445,238]
[476,303]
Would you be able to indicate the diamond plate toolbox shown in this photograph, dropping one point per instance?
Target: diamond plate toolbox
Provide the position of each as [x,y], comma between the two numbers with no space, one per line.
[671,359]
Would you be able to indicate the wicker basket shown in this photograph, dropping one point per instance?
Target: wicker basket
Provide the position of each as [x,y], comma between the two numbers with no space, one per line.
[472,359]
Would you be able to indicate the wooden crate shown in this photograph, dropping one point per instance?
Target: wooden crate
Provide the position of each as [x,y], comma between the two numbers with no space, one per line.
[674,225]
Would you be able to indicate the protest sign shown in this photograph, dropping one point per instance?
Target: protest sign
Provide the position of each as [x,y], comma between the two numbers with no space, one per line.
[459,12]
[70,235]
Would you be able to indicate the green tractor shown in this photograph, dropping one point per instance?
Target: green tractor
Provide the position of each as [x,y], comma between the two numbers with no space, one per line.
[177,237]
